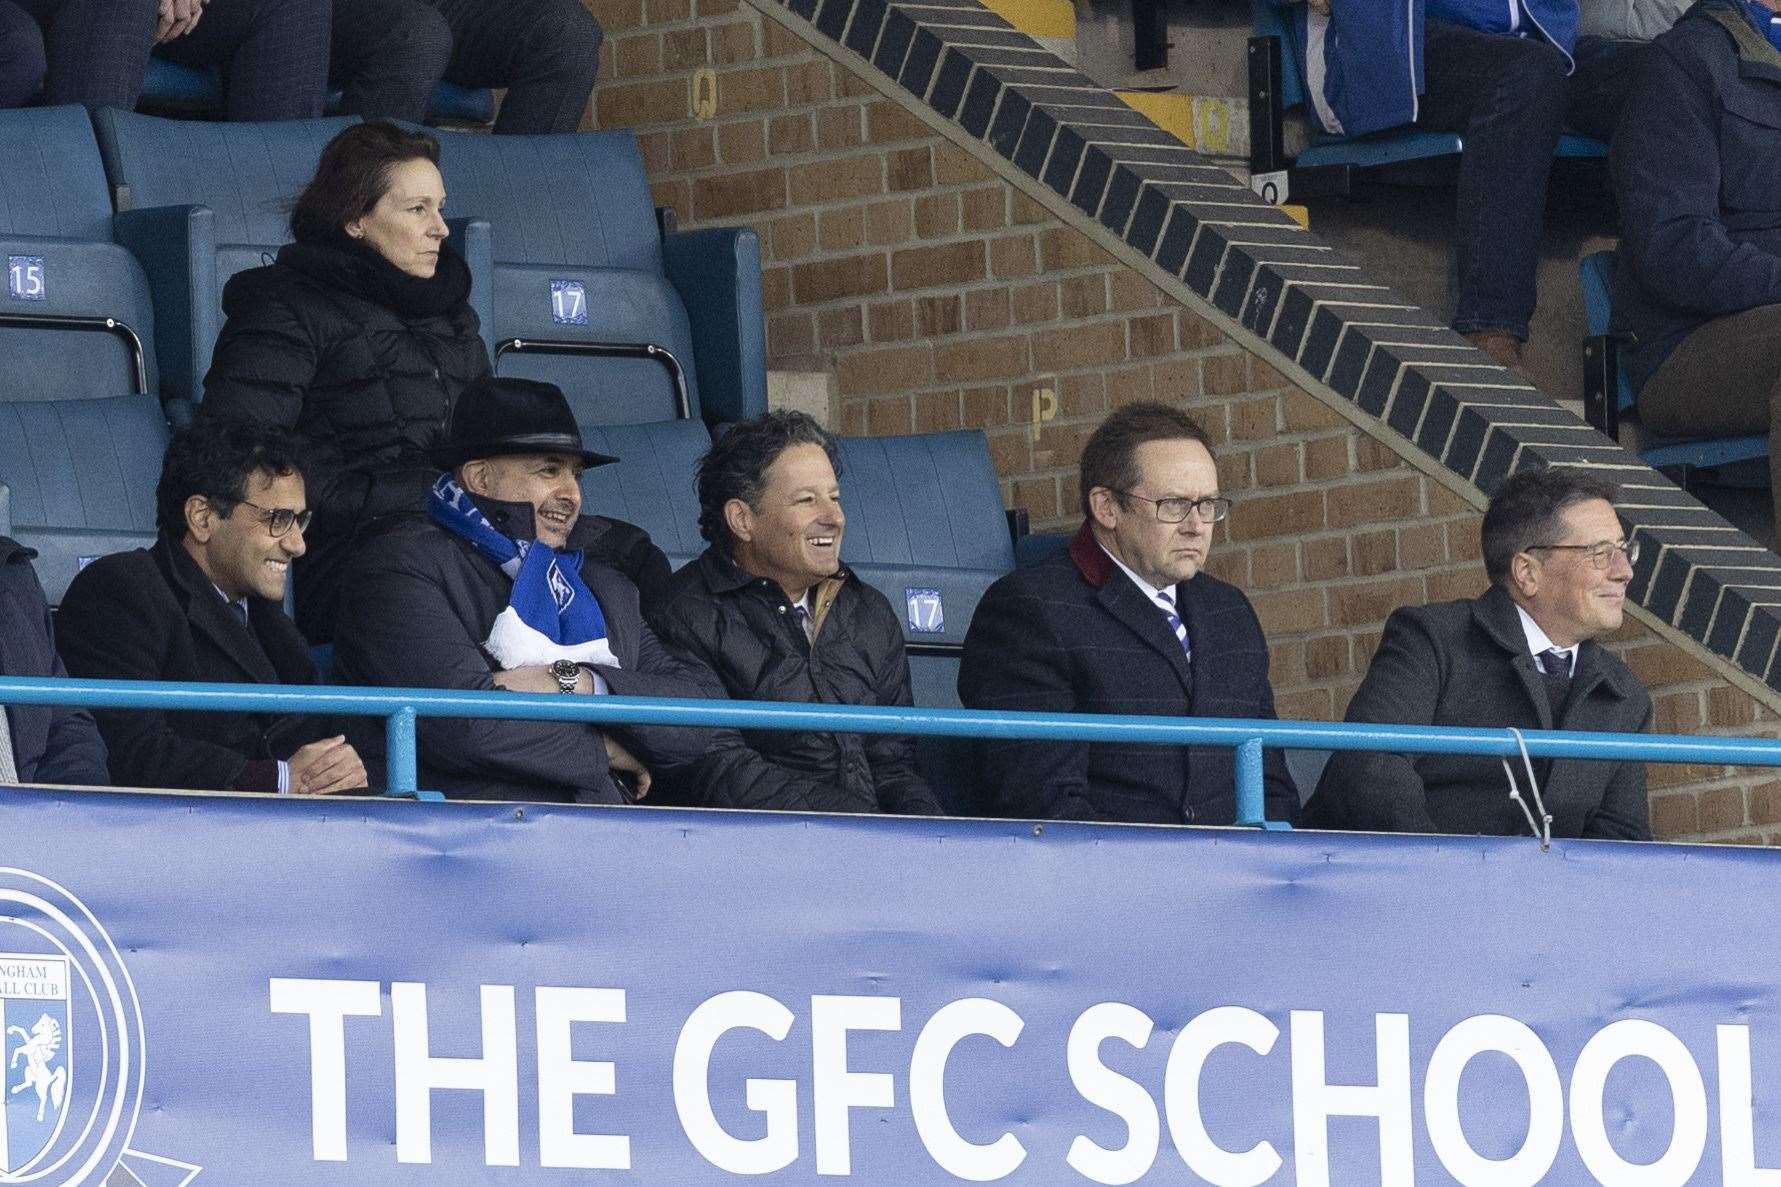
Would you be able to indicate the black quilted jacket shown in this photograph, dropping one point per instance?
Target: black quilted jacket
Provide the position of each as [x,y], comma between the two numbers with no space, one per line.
[321,342]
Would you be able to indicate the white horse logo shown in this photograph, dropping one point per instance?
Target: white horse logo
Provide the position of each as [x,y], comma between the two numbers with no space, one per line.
[37,1049]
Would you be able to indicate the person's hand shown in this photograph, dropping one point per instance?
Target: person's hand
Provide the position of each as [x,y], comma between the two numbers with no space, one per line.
[325,767]
[1320,7]
[176,18]
[537,678]
[622,760]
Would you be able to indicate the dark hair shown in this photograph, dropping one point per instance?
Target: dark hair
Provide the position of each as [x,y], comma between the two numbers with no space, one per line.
[353,175]
[1110,458]
[215,457]
[736,466]
[1525,511]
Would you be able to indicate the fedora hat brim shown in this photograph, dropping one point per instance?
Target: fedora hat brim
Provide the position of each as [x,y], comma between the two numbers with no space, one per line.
[447,457]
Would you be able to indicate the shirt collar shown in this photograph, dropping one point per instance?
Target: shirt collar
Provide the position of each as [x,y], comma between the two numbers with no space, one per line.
[1150,591]
[1538,641]
[241,601]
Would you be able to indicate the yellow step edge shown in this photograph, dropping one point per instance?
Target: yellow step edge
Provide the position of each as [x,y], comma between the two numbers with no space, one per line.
[1198,121]
[1038,18]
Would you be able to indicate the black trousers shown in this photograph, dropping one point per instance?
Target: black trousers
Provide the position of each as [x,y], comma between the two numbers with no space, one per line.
[22,63]
[389,53]
[273,53]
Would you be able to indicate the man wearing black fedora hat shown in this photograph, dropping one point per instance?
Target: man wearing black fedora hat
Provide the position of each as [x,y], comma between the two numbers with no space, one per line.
[504,585]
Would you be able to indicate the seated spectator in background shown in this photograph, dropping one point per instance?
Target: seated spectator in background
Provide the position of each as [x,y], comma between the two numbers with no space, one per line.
[1509,78]
[205,604]
[273,53]
[1697,171]
[1126,621]
[1521,655]
[770,608]
[359,338]
[39,743]
[495,588]
[388,54]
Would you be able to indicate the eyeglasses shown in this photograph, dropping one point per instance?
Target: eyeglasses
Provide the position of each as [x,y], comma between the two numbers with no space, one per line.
[280,520]
[1600,555]
[1212,508]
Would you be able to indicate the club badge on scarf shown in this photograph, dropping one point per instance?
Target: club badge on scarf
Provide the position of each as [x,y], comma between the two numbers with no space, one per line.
[551,615]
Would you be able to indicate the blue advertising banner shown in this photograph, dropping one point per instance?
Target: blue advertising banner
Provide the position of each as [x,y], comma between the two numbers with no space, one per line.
[239,990]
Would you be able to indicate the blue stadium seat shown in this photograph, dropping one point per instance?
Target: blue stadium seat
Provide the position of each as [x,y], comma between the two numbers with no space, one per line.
[926,526]
[1608,397]
[652,484]
[585,283]
[1271,50]
[200,201]
[81,432]
[172,89]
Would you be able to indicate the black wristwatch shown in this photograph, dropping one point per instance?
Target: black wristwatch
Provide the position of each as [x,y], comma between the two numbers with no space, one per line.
[568,674]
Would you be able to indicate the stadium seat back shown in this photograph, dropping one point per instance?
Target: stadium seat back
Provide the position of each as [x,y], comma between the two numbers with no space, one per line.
[570,200]
[653,483]
[624,309]
[248,174]
[82,475]
[926,526]
[578,260]
[53,183]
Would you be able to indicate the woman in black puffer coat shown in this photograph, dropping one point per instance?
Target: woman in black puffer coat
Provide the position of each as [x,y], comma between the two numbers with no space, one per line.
[359,337]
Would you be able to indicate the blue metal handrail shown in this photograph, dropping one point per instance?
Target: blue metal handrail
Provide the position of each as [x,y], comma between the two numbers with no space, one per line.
[402,707]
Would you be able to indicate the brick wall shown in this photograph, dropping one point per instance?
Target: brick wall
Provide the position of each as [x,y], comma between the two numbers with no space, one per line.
[942,297]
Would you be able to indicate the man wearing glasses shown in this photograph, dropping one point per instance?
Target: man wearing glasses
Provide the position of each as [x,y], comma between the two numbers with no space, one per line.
[1522,655]
[205,604]
[1125,621]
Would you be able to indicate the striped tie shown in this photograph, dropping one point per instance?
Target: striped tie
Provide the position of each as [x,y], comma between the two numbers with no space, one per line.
[1175,623]
[803,616]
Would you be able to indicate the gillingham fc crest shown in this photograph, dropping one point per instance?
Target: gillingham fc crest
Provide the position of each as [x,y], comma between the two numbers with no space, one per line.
[71,1042]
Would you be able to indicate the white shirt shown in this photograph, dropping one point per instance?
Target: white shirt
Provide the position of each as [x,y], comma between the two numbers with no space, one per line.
[1537,642]
[1164,598]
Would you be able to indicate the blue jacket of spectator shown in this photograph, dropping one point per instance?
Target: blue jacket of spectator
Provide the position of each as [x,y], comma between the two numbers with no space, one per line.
[1362,64]
[1697,173]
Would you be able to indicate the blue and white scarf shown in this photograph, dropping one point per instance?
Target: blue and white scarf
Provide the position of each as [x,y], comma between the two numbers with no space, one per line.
[552,615]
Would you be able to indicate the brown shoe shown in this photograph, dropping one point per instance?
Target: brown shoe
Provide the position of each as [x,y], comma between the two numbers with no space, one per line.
[1504,348]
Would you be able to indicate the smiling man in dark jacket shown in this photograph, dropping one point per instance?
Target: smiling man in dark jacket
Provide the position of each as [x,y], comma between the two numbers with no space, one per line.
[205,604]
[1697,171]
[497,588]
[770,608]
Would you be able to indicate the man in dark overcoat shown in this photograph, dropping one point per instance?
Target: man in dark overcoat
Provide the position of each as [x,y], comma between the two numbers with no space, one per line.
[1524,654]
[1126,621]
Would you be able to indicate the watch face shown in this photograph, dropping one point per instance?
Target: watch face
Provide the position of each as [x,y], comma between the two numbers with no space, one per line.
[564,669]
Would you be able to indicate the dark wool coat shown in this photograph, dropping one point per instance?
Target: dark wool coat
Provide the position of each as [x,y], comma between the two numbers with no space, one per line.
[743,628]
[1467,663]
[1072,634]
[50,743]
[321,342]
[416,609]
[152,614]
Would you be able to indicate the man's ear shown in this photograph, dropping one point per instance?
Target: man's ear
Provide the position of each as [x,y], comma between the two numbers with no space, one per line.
[1103,506]
[474,477]
[739,516]
[1524,574]
[356,228]
[201,518]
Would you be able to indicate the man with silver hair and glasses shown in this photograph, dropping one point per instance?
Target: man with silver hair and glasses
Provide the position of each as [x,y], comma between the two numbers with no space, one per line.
[1523,655]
